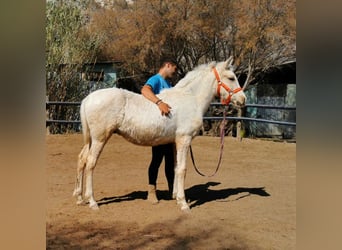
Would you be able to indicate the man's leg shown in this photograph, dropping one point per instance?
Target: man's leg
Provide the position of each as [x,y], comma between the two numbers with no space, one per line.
[157,157]
[169,165]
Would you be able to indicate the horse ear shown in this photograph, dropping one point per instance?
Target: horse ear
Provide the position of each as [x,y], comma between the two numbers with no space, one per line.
[229,62]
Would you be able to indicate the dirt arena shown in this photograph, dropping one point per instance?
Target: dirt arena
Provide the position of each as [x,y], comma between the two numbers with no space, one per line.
[249,204]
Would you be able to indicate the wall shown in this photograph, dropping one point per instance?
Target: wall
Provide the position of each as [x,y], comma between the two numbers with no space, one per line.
[277,88]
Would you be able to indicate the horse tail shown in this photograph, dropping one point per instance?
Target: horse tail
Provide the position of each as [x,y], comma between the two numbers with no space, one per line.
[85,127]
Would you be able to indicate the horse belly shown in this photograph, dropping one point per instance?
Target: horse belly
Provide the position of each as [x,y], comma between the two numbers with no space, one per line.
[147,141]
[147,133]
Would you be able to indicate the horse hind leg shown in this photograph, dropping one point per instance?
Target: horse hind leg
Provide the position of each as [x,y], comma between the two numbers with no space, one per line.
[82,160]
[93,155]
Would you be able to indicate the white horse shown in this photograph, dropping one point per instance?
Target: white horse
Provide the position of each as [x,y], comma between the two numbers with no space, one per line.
[138,120]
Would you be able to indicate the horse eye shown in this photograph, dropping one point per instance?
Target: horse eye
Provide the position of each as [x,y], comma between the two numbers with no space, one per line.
[231,78]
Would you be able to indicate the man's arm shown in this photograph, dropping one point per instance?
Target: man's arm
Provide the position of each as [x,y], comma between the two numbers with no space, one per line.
[147,92]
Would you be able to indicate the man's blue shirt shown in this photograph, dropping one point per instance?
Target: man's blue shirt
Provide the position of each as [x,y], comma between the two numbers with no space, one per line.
[158,83]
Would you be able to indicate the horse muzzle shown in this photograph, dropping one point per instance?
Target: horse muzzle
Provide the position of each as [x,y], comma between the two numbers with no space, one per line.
[236,98]
[239,100]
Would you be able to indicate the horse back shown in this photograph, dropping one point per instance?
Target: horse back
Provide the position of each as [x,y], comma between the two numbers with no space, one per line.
[137,119]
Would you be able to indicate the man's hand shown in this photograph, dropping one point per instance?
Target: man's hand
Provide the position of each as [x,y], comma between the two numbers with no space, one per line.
[147,92]
[164,108]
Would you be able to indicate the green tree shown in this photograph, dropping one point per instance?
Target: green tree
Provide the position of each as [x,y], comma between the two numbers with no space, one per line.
[69,46]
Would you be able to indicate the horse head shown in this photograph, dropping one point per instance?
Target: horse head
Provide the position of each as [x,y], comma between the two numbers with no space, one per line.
[228,87]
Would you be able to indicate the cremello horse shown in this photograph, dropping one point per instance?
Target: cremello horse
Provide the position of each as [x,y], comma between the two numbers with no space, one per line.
[138,120]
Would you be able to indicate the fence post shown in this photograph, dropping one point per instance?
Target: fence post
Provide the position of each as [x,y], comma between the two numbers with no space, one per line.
[238,126]
[47,115]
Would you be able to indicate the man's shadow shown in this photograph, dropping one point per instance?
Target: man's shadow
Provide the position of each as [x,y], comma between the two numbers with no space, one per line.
[196,195]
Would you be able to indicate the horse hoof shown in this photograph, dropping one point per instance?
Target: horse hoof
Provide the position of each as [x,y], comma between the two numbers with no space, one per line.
[184,206]
[80,202]
[76,193]
[185,209]
[94,206]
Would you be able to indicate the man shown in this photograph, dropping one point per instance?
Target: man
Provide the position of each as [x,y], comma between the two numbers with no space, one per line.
[152,87]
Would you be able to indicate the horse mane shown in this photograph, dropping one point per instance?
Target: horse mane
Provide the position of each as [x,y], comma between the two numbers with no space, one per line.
[191,75]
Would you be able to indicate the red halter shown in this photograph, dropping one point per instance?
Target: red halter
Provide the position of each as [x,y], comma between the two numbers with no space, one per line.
[222,84]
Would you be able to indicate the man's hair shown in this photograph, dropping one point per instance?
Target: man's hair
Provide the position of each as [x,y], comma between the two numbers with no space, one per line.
[165,60]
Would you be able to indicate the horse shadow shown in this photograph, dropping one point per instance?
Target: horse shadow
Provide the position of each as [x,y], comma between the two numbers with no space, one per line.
[196,195]
[135,195]
[201,194]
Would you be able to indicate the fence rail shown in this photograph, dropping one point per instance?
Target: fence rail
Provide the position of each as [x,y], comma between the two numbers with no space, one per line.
[49,121]
[260,106]
[48,103]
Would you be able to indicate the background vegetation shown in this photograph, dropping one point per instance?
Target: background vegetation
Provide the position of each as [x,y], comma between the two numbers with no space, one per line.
[259,34]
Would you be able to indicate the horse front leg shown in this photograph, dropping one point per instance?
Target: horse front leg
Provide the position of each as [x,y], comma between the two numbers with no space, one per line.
[175,185]
[175,188]
[182,145]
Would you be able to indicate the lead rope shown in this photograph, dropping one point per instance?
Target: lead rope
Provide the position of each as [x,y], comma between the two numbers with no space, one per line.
[222,125]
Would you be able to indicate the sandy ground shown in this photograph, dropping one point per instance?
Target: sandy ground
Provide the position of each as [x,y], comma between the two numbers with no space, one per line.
[249,204]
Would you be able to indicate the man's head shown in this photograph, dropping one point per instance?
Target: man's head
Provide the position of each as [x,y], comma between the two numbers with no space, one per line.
[166,60]
[168,67]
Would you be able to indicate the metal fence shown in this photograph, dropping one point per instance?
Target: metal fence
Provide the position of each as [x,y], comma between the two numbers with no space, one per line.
[287,123]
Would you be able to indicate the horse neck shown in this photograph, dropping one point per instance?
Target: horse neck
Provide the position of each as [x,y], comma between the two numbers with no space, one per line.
[202,87]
